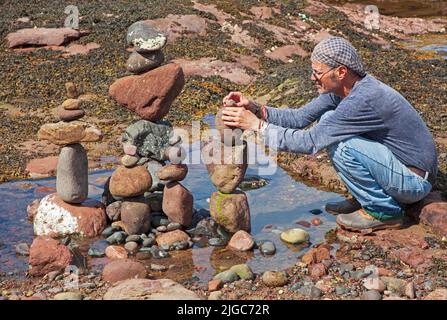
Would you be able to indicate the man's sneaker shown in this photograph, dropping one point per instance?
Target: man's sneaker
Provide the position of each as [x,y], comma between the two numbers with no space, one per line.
[361,221]
[343,207]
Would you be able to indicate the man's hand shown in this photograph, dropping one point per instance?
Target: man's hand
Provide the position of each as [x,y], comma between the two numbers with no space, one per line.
[240,101]
[240,118]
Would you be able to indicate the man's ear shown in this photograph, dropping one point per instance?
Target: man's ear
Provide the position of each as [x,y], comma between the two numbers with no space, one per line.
[342,72]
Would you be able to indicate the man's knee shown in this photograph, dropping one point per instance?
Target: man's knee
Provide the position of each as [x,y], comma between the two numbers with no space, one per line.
[339,149]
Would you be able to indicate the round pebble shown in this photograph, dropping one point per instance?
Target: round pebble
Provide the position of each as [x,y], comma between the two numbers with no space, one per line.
[295,236]
[131,246]
[267,248]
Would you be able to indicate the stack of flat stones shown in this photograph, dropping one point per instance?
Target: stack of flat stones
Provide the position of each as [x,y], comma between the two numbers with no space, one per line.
[144,197]
[226,162]
[58,214]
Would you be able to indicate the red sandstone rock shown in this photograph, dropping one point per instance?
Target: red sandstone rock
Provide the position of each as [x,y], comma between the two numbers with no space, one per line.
[123,269]
[57,218]
[46,255]
[178,203]
[214,285]
[42,167]
[171,237]
[41,37]
[151,94]
[317,271]
[241,241]
[130,182]
[116,252]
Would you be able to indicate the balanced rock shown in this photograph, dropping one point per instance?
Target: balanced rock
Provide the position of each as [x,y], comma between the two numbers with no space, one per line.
[70,115]
[148,138]
[226,165]
[123,269]
[153,167]
[228,135]
[113,211]
[41,37]
[136,216]
[231,211]
[142,62]
[171,237]
[145,38]
[71,104]
[178,203]
[145,289]
[129,161]
[57,218]
[63,133]
[72,90]
[151,94]
[46,255]
[72,174]
[173,172]
[130,182]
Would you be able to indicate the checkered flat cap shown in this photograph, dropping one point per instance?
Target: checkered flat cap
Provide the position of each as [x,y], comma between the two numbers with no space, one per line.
[336,51]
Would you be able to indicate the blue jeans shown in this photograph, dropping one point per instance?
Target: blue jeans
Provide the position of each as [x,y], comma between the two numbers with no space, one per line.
[375,177]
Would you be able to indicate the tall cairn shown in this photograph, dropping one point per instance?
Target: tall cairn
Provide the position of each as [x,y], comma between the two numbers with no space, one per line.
[69,211]
[145,191]
[226,162]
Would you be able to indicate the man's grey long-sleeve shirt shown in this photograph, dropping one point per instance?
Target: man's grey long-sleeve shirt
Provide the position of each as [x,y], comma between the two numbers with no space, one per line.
[372,110]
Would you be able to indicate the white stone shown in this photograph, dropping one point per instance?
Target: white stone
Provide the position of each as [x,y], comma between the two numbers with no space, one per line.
[52,218]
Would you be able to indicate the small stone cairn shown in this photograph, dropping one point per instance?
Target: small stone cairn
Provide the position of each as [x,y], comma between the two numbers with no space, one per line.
[144,197]
[69,211]
[228,206]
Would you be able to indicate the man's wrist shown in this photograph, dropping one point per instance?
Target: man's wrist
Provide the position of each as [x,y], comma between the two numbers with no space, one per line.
[256,109]
[262,126]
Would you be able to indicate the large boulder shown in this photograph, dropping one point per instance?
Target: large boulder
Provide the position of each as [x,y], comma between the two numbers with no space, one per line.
[231,211]
[142,62]
[63,133]
[46,255]
[123,269]
[72,174]
[41,37]
[151,94]
[226,165]
[130,182]
[57,218]
[178,203]
[145,289]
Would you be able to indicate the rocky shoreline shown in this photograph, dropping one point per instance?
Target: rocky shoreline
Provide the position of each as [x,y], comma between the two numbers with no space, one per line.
[264,51]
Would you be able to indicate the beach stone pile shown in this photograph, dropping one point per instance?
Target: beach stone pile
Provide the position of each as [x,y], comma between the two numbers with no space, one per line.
[69,211]
[226,162]
[144,198]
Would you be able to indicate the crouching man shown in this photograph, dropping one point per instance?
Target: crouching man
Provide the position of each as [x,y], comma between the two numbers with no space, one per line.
[377,142]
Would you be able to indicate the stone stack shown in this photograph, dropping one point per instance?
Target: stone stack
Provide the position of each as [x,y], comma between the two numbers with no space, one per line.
[226,162]
[145,191]
[69,211]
